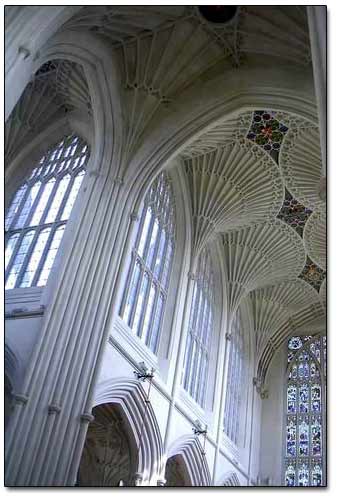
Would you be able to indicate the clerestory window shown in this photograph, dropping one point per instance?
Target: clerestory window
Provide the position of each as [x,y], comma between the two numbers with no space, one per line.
[305,411]
[37,216]
[147,284]
[235,389]
[200,329]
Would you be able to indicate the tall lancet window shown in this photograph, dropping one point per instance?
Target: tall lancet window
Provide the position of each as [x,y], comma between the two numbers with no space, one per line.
[148,279]
[235,389]
[39,211]
[200,328]
[305,411]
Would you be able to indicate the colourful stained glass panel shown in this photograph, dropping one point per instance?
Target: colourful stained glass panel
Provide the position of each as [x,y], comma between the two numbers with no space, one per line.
[304,398]
[316,473]
[291,438]
[303,430]
[290,476]
[316,398]
[304,440]
[295,343]
[291,399]
[316,438]
[303,475]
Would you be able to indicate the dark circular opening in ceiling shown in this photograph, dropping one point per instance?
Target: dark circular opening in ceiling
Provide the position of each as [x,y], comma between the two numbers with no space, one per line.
[219,14]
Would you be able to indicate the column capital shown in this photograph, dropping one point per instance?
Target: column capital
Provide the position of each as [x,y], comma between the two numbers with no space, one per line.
[20,399]
[138,479]
[118,180]
[87,418]
[191,275]
[54,408]
[134,216]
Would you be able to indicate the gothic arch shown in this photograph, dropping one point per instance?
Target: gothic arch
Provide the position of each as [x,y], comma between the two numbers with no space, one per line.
[102,76]
[229,479]
[191,118]
[130,396]
[22,47]
[190,449]
[18,169]
[11,366]
[302,318]
[11,377]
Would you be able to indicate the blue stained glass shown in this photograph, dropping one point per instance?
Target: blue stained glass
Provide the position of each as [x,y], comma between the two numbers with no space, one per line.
[303,439]
[316,398]
[295,343]
[303,465]
[301,370]
[315,349]
[317,475]
[316,438]
[291,399]
[303,475]
[314,372]
[291,439]
[304,398]
[290,476]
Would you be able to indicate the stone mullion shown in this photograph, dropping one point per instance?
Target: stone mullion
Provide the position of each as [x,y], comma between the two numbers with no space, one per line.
[77,363]
[44,355]
[178,381]
[223,384]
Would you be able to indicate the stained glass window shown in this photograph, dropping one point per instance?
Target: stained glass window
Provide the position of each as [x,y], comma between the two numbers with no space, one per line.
[235,383]
[200,328]
[147,284]
[305,408]
[267,132]
[37,216]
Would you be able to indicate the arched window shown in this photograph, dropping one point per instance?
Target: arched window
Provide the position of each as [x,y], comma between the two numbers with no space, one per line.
[305,409]
[39,211]
[200,328]
[145,293]
[235,382]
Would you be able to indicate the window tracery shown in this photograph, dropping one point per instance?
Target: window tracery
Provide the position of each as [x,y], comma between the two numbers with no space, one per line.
[200,329]
[235,383]
[146,289]
[39,211]
[305,408]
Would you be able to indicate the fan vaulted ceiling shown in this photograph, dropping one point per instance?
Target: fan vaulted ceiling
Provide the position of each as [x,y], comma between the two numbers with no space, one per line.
[252,177]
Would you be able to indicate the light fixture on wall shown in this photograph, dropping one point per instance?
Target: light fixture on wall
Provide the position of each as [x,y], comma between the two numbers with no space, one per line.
[198,430]
[143,372]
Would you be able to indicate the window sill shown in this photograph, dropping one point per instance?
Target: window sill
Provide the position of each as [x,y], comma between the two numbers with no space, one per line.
[23,302]
[129,341]
[192,405]
[231,448]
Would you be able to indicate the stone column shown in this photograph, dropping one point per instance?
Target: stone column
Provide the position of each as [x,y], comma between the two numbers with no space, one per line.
[317,20]
[27,29]
[50,420]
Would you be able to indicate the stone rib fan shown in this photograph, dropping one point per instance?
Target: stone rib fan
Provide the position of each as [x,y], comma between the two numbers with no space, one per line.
[231,187]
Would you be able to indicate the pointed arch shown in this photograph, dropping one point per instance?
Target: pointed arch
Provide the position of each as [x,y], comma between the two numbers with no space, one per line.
[12,367]
[229,479]
[130,396]
[190,449]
